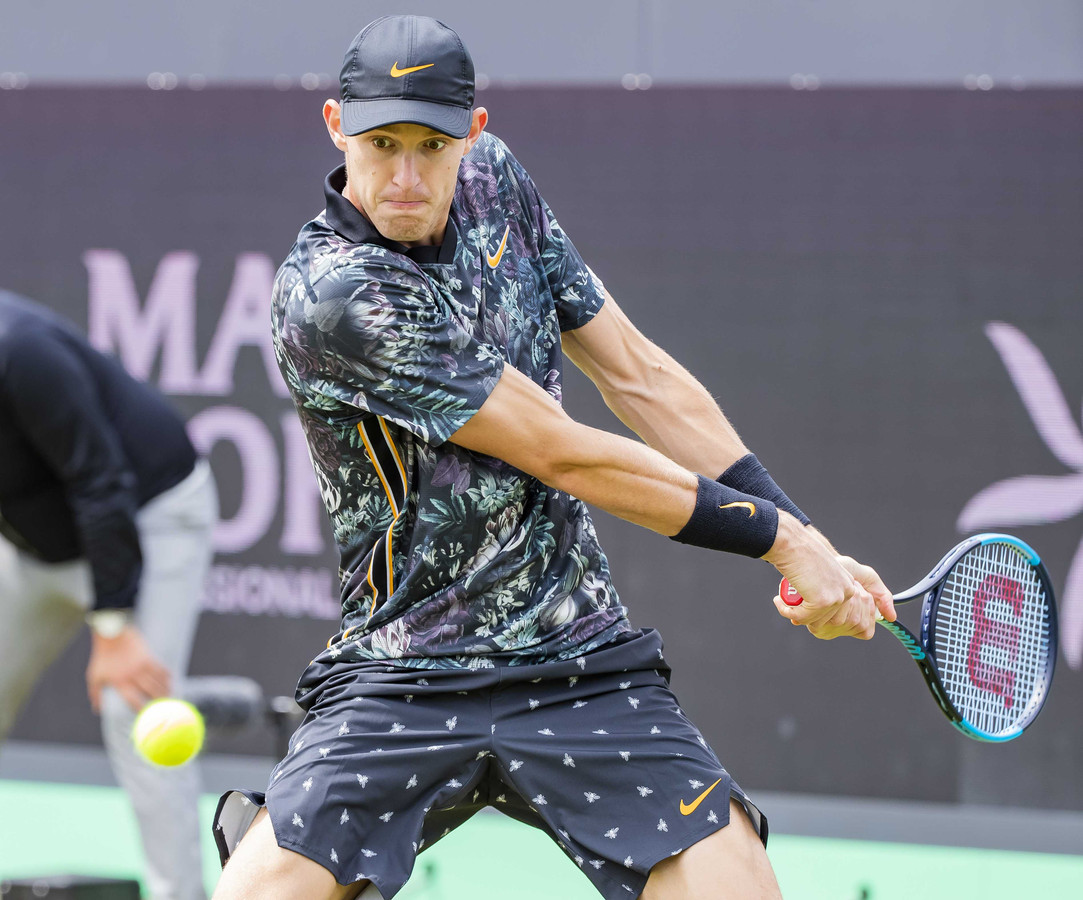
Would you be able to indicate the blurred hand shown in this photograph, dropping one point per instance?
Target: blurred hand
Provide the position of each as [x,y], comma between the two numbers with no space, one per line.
[125,664]
[841,596]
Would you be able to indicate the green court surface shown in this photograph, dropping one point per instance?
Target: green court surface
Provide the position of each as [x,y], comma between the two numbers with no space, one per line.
[48,828]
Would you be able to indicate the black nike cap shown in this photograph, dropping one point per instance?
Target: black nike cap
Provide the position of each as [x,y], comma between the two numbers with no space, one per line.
[407,69]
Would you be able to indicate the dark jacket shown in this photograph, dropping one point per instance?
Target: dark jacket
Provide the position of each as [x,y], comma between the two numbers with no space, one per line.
[83,445]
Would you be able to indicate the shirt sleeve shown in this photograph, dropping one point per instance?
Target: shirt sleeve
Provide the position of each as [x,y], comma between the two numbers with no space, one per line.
[54,399]
[579,293]
[387,343]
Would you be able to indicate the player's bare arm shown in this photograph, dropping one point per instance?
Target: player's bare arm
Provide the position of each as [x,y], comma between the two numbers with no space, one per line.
[652,393]
[672,412]
[521,424]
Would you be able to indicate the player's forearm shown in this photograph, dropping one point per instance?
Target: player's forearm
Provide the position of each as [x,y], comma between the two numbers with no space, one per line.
[626,479]
[522,425]
[652,393]
[673,413]
[667,407]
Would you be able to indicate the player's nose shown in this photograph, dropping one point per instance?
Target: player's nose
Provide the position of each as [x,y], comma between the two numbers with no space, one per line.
[406,173]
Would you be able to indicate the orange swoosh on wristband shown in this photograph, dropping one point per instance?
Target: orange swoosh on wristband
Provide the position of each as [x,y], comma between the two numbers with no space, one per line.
[751,507]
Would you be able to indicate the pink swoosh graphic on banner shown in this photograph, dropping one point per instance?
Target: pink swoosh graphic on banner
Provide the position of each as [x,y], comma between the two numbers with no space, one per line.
[1026,500]
[1040,392]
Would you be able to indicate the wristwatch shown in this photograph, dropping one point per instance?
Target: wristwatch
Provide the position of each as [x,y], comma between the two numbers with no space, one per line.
[109,623]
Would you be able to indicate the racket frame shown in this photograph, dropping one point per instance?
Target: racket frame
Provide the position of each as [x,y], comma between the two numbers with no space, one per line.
[930,588]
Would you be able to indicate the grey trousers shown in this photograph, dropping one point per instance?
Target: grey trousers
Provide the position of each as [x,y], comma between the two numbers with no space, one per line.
[42,608]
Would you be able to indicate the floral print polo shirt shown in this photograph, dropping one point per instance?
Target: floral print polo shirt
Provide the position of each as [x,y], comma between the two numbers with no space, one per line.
[448,557]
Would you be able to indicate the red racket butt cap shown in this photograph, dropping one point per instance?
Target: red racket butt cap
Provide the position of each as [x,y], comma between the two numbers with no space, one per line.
[788,594]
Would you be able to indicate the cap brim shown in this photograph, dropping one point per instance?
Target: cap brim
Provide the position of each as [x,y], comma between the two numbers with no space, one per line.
[359,116]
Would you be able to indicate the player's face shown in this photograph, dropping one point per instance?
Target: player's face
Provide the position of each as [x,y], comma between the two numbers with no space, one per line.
[402,177]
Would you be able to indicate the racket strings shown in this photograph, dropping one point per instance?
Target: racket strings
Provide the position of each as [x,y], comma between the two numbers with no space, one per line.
[992,637]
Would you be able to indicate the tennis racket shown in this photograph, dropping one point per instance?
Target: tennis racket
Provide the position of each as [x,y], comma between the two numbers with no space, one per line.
[988,640]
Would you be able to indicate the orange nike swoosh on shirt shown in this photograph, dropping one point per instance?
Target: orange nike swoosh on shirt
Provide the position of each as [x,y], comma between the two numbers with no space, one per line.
[396,72]
[751,507]
[688,809]
[494,261]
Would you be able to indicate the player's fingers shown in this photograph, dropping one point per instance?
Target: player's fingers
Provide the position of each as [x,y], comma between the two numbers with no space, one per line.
[872,582]
[854,618]
[864,631]
[864,613]
[787,612]
[885,603]
[839,625]
[817,621]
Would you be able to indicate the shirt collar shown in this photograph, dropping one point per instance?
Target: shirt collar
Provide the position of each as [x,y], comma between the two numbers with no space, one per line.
[347,220]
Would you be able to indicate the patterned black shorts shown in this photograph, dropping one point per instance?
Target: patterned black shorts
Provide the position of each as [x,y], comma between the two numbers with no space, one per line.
[594,751]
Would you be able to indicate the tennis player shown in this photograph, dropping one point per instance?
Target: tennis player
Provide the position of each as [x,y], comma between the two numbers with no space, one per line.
[106,515]
[484,657]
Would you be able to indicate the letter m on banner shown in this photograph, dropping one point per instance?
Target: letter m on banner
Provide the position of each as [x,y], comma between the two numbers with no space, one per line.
[137,332]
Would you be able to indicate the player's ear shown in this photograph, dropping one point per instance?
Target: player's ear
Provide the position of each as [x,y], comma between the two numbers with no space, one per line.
[332,117]
[477,126]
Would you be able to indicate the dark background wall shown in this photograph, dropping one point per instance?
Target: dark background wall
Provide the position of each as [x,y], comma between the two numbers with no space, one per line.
[826,263]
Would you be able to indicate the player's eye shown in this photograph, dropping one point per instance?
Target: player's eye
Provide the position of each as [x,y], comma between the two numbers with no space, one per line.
[435,144]
[381,143]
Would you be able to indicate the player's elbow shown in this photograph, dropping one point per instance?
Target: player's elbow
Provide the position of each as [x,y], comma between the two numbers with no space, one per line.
[559,456]
[637,387]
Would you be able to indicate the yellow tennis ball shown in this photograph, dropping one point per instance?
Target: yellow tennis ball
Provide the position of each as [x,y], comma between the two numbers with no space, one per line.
[168,732]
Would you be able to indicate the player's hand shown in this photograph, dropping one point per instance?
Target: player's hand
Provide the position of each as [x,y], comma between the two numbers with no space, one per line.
[837,603]
[125,664]
[870,580]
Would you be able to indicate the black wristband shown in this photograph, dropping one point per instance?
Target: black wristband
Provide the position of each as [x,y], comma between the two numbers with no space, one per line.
[749,475]
[728,520]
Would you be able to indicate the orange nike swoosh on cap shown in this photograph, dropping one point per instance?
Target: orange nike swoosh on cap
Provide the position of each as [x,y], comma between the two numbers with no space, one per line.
[494,261]
[396,72]
[688,809]
[751,507]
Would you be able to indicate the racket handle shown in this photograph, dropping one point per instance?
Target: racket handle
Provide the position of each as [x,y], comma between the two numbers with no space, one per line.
[791,598]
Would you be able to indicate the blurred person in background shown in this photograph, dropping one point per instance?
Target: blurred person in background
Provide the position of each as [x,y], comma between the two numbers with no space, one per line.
[106,519]
[485,657]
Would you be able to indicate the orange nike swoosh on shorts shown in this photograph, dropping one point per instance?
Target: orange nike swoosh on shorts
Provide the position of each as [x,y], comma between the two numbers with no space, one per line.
[751,507]
[494,261]
[396,72]
[688,809]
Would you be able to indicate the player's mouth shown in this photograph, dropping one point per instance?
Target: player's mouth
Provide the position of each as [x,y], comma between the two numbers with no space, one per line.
[405,205]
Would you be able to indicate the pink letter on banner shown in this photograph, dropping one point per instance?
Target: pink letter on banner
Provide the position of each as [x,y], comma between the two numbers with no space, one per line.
[259,462]
[118,323]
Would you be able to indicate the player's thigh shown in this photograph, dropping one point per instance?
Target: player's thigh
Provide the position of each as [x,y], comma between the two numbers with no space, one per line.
[261,870]
[730,863]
